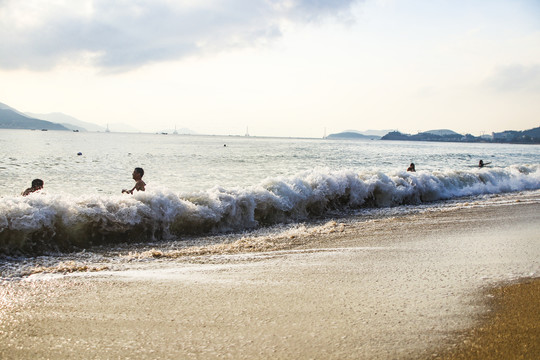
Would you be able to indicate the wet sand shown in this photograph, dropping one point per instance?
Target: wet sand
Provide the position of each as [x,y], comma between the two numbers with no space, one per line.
[510,331]
[407,287]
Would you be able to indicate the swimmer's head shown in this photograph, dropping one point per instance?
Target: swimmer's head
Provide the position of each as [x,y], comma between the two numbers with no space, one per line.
[138,171]
[37,183]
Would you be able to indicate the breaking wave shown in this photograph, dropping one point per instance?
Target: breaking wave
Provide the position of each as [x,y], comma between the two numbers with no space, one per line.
[44,222]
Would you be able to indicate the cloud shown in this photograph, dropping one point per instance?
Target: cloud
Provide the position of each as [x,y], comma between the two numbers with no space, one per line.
[125,34]
[515,78]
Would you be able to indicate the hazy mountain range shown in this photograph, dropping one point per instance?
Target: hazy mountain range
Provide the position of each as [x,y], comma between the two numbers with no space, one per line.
[75,124]
[11,118]
[68,121]
[531,136]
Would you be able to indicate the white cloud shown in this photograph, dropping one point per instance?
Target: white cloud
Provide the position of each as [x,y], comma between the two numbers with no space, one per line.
[120,35]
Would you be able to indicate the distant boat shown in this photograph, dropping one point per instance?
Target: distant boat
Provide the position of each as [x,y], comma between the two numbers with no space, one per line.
[43,129]
[164,133]
[247,131]
[175,132]
[107,129]
[75,130]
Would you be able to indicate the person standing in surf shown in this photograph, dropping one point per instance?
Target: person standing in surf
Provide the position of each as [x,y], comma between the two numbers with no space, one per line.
[139,184]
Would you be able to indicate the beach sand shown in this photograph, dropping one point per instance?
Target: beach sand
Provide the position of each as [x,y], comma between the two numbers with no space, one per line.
[419,286]
[510,331]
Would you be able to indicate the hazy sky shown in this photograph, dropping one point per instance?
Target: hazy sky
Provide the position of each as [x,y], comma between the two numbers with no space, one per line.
[279,67]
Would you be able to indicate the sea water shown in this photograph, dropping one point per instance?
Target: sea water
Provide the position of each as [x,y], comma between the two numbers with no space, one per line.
[199,185]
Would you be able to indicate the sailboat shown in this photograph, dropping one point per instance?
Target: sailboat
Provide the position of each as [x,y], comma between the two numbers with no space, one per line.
[247,131]
[175,132]
[107,129]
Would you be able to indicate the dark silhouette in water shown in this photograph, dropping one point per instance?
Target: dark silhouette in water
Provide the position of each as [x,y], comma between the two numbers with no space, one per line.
[37,184]
[481,163]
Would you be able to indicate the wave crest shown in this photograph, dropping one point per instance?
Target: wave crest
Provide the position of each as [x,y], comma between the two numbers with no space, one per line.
[42,222]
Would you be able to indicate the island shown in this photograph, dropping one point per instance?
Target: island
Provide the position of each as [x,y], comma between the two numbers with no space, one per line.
[352,135]
[531,136]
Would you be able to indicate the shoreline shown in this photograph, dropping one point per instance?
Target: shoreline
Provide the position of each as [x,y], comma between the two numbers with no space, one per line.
[405,287]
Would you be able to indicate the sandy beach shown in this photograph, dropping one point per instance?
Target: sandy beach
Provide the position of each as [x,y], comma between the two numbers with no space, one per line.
[510,331]
[416,286]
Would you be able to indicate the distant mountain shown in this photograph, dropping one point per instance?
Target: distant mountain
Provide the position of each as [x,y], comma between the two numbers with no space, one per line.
[352,135]
[5,107]
[75,124]
[378,133]
[14,119]
[534,133]
[432,135]
[11,118]
[522,137]
[68,121]
[442,132]
[531,136]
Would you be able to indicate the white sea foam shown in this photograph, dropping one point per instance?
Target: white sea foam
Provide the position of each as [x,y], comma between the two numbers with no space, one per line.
[47,222]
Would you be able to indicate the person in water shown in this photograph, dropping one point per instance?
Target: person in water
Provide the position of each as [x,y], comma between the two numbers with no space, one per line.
[481,163]
[411,168]
[37,184]
[139,184]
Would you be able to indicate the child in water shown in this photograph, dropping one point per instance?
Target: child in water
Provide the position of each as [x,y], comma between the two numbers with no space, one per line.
[37,184]
[139,184]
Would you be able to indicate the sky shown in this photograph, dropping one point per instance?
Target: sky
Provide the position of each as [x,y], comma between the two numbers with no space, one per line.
[292,68]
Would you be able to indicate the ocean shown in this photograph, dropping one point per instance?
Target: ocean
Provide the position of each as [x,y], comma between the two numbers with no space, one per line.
[202,187]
